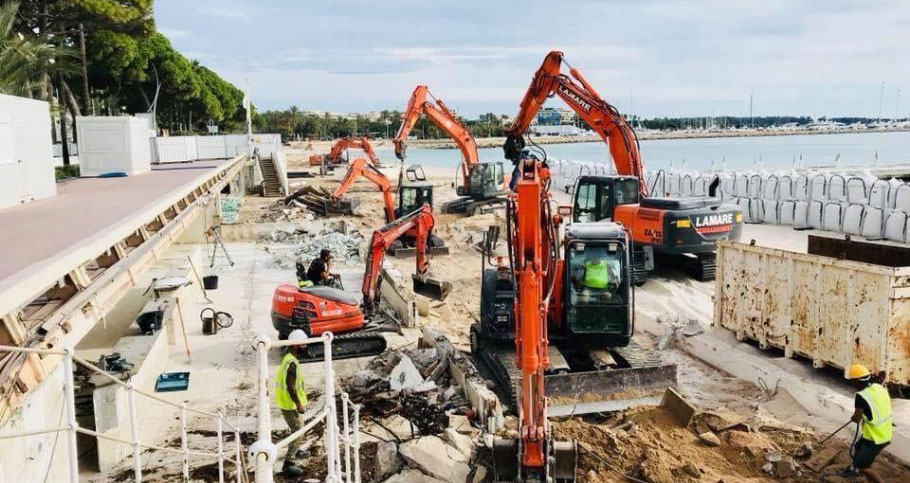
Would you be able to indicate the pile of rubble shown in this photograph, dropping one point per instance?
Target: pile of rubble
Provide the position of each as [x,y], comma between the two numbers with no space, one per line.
[345,244]
[416,421]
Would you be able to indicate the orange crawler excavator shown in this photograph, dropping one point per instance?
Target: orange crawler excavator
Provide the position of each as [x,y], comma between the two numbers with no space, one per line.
[357,324]
[334,159]
[481,184]
[688,228]
[411,195]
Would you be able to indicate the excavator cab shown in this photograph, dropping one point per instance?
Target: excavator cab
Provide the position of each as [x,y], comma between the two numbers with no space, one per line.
[597,285]
[485,181]
[412,196]
[596,197]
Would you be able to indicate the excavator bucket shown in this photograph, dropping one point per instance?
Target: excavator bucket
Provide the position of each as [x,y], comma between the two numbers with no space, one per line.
[561,467]
[341,207]
[431,288]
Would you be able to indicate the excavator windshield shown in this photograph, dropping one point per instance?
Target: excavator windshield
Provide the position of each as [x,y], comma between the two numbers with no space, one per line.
[597,196]
[485,180]
[597,286]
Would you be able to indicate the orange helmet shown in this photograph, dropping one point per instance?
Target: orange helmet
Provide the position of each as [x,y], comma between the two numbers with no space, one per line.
[858,371]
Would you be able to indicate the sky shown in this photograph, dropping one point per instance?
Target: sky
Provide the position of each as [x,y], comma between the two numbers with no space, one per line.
[652,58]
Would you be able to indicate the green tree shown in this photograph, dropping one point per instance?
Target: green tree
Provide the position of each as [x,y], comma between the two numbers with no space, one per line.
[22,58]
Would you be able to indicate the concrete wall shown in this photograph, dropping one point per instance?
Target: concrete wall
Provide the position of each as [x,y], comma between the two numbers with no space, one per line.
[43,457]
[112,417]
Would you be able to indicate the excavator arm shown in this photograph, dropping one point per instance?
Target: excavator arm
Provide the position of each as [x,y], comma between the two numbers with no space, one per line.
[598,114]
[359,167]
[420,222]
[443,118]
[344,144]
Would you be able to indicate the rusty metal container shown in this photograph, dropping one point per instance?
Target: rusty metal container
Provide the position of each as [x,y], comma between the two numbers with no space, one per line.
[832,311]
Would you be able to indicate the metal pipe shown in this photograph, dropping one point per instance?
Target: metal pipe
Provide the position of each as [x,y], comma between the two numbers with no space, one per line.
[238,465]
[263,465]
[220,448]
[183,443]
[134,432]
[347,442]
[70,403]
[23,434]
[331,433]
[303,429]
[31,350]
[356,443]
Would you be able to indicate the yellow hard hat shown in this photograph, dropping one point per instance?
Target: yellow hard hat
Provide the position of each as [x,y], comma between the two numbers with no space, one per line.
[857,371]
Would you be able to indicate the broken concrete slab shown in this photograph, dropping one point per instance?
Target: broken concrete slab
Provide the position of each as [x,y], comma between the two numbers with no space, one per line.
[461,424]
[822,459]
[464,444]
[412,476]
[405,375]
[433,456]
[399,426]
[387,461]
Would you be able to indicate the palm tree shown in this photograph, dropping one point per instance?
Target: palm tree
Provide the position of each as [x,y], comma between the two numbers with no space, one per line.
[22,59]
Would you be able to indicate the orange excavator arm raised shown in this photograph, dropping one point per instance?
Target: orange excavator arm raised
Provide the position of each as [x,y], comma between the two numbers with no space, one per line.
[421,223]
[359,167]
[443,118]
[597,113]
[344,144]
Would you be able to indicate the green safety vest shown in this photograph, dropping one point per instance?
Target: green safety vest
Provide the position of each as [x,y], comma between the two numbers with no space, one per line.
[282,396]
[596,275]
[878,429]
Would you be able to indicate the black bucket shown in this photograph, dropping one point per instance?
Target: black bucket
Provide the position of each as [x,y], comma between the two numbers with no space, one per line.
[210,282]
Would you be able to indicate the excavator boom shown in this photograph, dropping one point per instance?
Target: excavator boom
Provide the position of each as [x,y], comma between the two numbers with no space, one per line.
[360,168]
[600,115]
[421,222]
[334,157]
[444,119]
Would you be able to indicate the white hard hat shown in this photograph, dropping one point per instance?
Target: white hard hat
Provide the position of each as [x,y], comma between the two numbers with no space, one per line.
[297,335]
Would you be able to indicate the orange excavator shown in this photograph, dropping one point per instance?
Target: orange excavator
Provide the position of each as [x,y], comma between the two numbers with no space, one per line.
[335,159]
[689,228]
[357,323]
[479,184]
[411,195]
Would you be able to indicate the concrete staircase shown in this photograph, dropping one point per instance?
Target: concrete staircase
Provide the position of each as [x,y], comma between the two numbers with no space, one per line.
[271,185]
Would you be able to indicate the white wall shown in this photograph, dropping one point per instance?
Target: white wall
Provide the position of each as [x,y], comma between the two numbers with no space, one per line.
[113,144]
[26,156]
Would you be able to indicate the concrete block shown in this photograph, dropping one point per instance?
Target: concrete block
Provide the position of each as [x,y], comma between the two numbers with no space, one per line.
[434,457]
[405,375]
[461,442]
[412,476]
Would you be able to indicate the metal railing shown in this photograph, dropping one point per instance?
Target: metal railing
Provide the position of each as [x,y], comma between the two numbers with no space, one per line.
[264,452]
[72,427]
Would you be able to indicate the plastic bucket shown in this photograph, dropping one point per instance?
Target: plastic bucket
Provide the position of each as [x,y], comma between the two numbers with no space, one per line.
[210,282]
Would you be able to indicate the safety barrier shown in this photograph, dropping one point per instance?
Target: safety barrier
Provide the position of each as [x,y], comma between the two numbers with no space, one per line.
[72,427]
[264,452]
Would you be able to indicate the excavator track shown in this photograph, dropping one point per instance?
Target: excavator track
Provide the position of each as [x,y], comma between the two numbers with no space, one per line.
[347,346]
[703,267]
[469,206]
[497,360]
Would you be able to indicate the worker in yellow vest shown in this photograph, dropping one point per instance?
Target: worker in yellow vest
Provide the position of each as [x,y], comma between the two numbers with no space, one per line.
[290,397]
[873,414]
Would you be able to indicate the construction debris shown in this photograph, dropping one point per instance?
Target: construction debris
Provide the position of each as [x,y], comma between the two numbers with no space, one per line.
[345,247]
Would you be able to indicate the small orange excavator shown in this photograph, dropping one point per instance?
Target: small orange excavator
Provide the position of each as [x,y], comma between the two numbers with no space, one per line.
[480,183]
[357,324]
[334,159]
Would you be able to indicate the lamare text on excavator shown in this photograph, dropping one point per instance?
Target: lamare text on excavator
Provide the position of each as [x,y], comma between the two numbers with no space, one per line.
[687,228]
[356,323]
[479,184]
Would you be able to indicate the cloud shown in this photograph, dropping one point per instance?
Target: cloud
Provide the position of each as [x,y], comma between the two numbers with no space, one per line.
[681,57]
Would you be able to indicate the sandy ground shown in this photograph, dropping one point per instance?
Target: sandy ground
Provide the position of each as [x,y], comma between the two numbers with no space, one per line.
[223,365]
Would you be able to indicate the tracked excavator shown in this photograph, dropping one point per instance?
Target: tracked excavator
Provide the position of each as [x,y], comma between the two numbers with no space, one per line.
[334,159]
[556,325]
[478,184]
[687,228]
[357,324]
[411,195]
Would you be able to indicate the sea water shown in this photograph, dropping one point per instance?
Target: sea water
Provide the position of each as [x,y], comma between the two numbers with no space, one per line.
[759,152]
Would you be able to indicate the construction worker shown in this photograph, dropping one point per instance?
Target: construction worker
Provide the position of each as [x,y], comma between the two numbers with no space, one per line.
[873,414]
[320,270]
[597,273]
[290,397]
